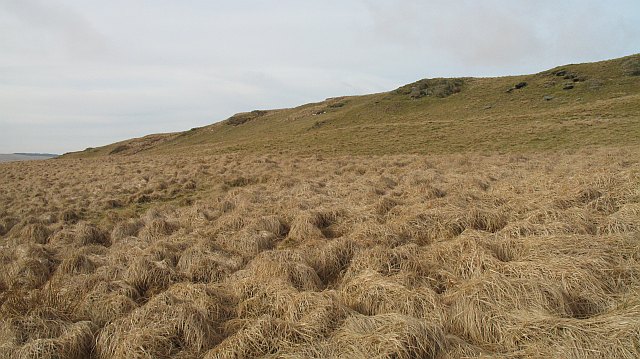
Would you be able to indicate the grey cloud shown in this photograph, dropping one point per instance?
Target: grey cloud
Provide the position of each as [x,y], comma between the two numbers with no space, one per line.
[497,34]
[52,27]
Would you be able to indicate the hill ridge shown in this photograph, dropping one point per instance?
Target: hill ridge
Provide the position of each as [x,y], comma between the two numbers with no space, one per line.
[440,115]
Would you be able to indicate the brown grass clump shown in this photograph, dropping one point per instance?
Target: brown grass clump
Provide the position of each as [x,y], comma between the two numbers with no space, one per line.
[74,343]
[456,261]
[388,262]
[36,233]
[108,301]
[575,338]
[329,260]
[76,263]
[476,316]
[388,336]
[319,312]
[385,205]
[157,223]
[272,224]
[70,216]
[157,227]
[6,224]
[436,225]
[150,277]
[370,293]
[248,242]
[259,337]
[42,324]
[124,229]
[295,319]
[79,234]
[88,234]
[184,320]
[282,266]
[205,262]
[27,266]
[315,225]
[626,219]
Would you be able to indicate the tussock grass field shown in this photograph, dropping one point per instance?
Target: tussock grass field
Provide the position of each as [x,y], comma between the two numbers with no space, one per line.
[449,218]
[280,256]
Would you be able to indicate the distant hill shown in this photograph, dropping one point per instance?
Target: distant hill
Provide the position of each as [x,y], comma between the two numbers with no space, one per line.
[25,156]
[570,106]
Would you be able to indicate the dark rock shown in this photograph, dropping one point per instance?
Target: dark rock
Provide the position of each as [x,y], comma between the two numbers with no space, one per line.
[432,87]
[560,73]
[520,85]
[416,92]
[241,118]
[631,67]
[568,86]
[337,104]
[118,149]
[317,125]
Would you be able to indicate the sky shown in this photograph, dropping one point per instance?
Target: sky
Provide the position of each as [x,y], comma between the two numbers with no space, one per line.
[85,73]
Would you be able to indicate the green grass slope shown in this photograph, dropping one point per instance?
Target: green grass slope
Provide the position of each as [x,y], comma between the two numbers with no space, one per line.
[572,106]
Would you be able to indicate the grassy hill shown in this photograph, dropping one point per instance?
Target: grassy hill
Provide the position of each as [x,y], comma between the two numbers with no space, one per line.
[567,107]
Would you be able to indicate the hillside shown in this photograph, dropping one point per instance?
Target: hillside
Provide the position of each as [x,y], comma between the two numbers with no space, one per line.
[567,107]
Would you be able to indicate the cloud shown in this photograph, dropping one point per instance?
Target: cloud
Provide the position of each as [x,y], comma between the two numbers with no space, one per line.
[498,34]
[49,30]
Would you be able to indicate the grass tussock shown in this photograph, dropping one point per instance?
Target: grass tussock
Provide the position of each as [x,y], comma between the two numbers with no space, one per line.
[127,228]
[389,336]
[370,293]
[108,301]
[27,266]
[74,343]
[36,233]
[207,263]
[43,324]
[184,320]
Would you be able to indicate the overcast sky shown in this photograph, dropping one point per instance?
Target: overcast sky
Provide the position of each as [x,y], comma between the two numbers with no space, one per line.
[80,73]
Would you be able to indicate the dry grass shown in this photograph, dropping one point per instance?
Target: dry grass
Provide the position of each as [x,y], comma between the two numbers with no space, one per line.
[278,256]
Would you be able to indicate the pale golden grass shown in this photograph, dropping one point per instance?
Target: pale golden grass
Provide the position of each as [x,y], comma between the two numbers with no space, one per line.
[232,256]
